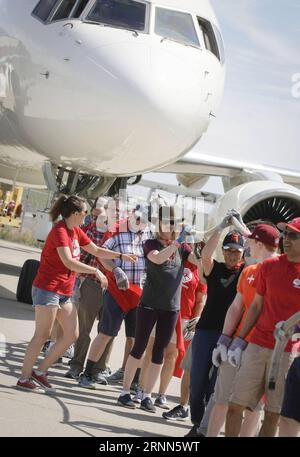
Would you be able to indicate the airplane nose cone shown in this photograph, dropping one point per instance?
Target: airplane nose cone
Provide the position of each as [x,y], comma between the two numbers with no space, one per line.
[151,104]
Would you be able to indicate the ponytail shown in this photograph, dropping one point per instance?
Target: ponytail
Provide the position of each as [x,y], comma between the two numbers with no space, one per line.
[65,206]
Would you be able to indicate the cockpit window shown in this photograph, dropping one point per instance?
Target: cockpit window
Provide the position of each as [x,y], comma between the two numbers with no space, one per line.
[81,4]
[55,10]
[44,8]
[127,14]
[220,43]
[176,25]
[210,39]
[64,10]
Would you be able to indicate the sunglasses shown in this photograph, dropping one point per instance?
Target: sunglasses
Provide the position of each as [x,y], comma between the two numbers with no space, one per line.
[291,235]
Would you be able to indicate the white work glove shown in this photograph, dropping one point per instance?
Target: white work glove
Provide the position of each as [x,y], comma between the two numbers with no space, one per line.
[227,220]
[189,331]
[219,354]
[235,351]
[238,222]
[280,334]
[121,278]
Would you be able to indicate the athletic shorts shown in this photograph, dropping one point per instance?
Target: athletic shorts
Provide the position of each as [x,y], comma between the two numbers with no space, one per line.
[186,363]
[42,297]
[251,381]
[225,384]
[113,316]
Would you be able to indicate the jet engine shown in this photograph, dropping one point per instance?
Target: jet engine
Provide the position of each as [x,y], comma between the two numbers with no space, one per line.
[266,200]
[269,201]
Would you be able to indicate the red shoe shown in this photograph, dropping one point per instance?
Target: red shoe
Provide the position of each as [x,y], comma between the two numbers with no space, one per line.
[42,381]
[28,385]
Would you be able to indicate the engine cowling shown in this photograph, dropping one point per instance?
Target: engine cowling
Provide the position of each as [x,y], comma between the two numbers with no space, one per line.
[267,200]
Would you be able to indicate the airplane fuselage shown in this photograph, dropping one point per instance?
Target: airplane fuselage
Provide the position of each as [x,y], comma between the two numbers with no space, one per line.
[102,99]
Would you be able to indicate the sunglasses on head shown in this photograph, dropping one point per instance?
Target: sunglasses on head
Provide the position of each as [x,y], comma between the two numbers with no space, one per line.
[291,235]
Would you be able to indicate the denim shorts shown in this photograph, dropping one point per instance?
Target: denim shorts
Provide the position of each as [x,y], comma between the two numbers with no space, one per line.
[44,297]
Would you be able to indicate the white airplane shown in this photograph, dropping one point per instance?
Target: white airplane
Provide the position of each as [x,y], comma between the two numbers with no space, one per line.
[105,88]
[91,90]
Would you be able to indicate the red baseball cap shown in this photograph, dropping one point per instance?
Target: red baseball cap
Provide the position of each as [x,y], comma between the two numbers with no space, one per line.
[293,225]
[266,234]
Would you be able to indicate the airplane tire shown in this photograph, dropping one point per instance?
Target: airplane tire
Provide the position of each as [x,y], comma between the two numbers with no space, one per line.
[27,275]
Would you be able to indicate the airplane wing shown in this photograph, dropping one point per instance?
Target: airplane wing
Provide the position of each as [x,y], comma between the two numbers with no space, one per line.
[196,162]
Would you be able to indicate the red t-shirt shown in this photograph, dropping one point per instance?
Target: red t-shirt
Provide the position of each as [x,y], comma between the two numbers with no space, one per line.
[190,287]
[52,274]
[279,283]
[246,288]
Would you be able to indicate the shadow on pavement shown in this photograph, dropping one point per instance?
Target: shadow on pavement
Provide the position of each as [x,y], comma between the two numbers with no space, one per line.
[10,270]
[10,308]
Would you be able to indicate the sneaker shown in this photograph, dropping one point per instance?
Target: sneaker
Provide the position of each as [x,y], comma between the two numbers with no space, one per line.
[125,400]
[42,381]
[86,381]
[69,354]
[194,433]
[161,402]
[179,413]
[28,385]
[100,379]
[116,377]
[73,373]
[106,372]
[147,405]
[48,346]
[138,396]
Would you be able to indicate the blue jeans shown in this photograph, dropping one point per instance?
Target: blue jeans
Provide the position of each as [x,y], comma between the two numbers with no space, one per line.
[202,381]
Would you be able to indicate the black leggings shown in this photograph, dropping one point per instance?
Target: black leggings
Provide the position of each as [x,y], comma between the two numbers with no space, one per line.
[165,325]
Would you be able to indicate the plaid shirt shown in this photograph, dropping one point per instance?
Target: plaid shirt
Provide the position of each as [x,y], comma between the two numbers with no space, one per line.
[96,237]
[131,243]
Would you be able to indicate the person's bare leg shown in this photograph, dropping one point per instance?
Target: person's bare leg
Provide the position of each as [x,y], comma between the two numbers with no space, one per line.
[146,362]
[67,318]
[128,347]
[270,424]
[288,427]
[234,419]
[98,346]
[250,424]
[217,419]
[54,331]
[130,369]
[153,375]
[167,371]
[44,319]
[185,388]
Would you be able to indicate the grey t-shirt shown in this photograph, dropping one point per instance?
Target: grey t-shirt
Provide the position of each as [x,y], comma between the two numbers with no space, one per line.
[162,289]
